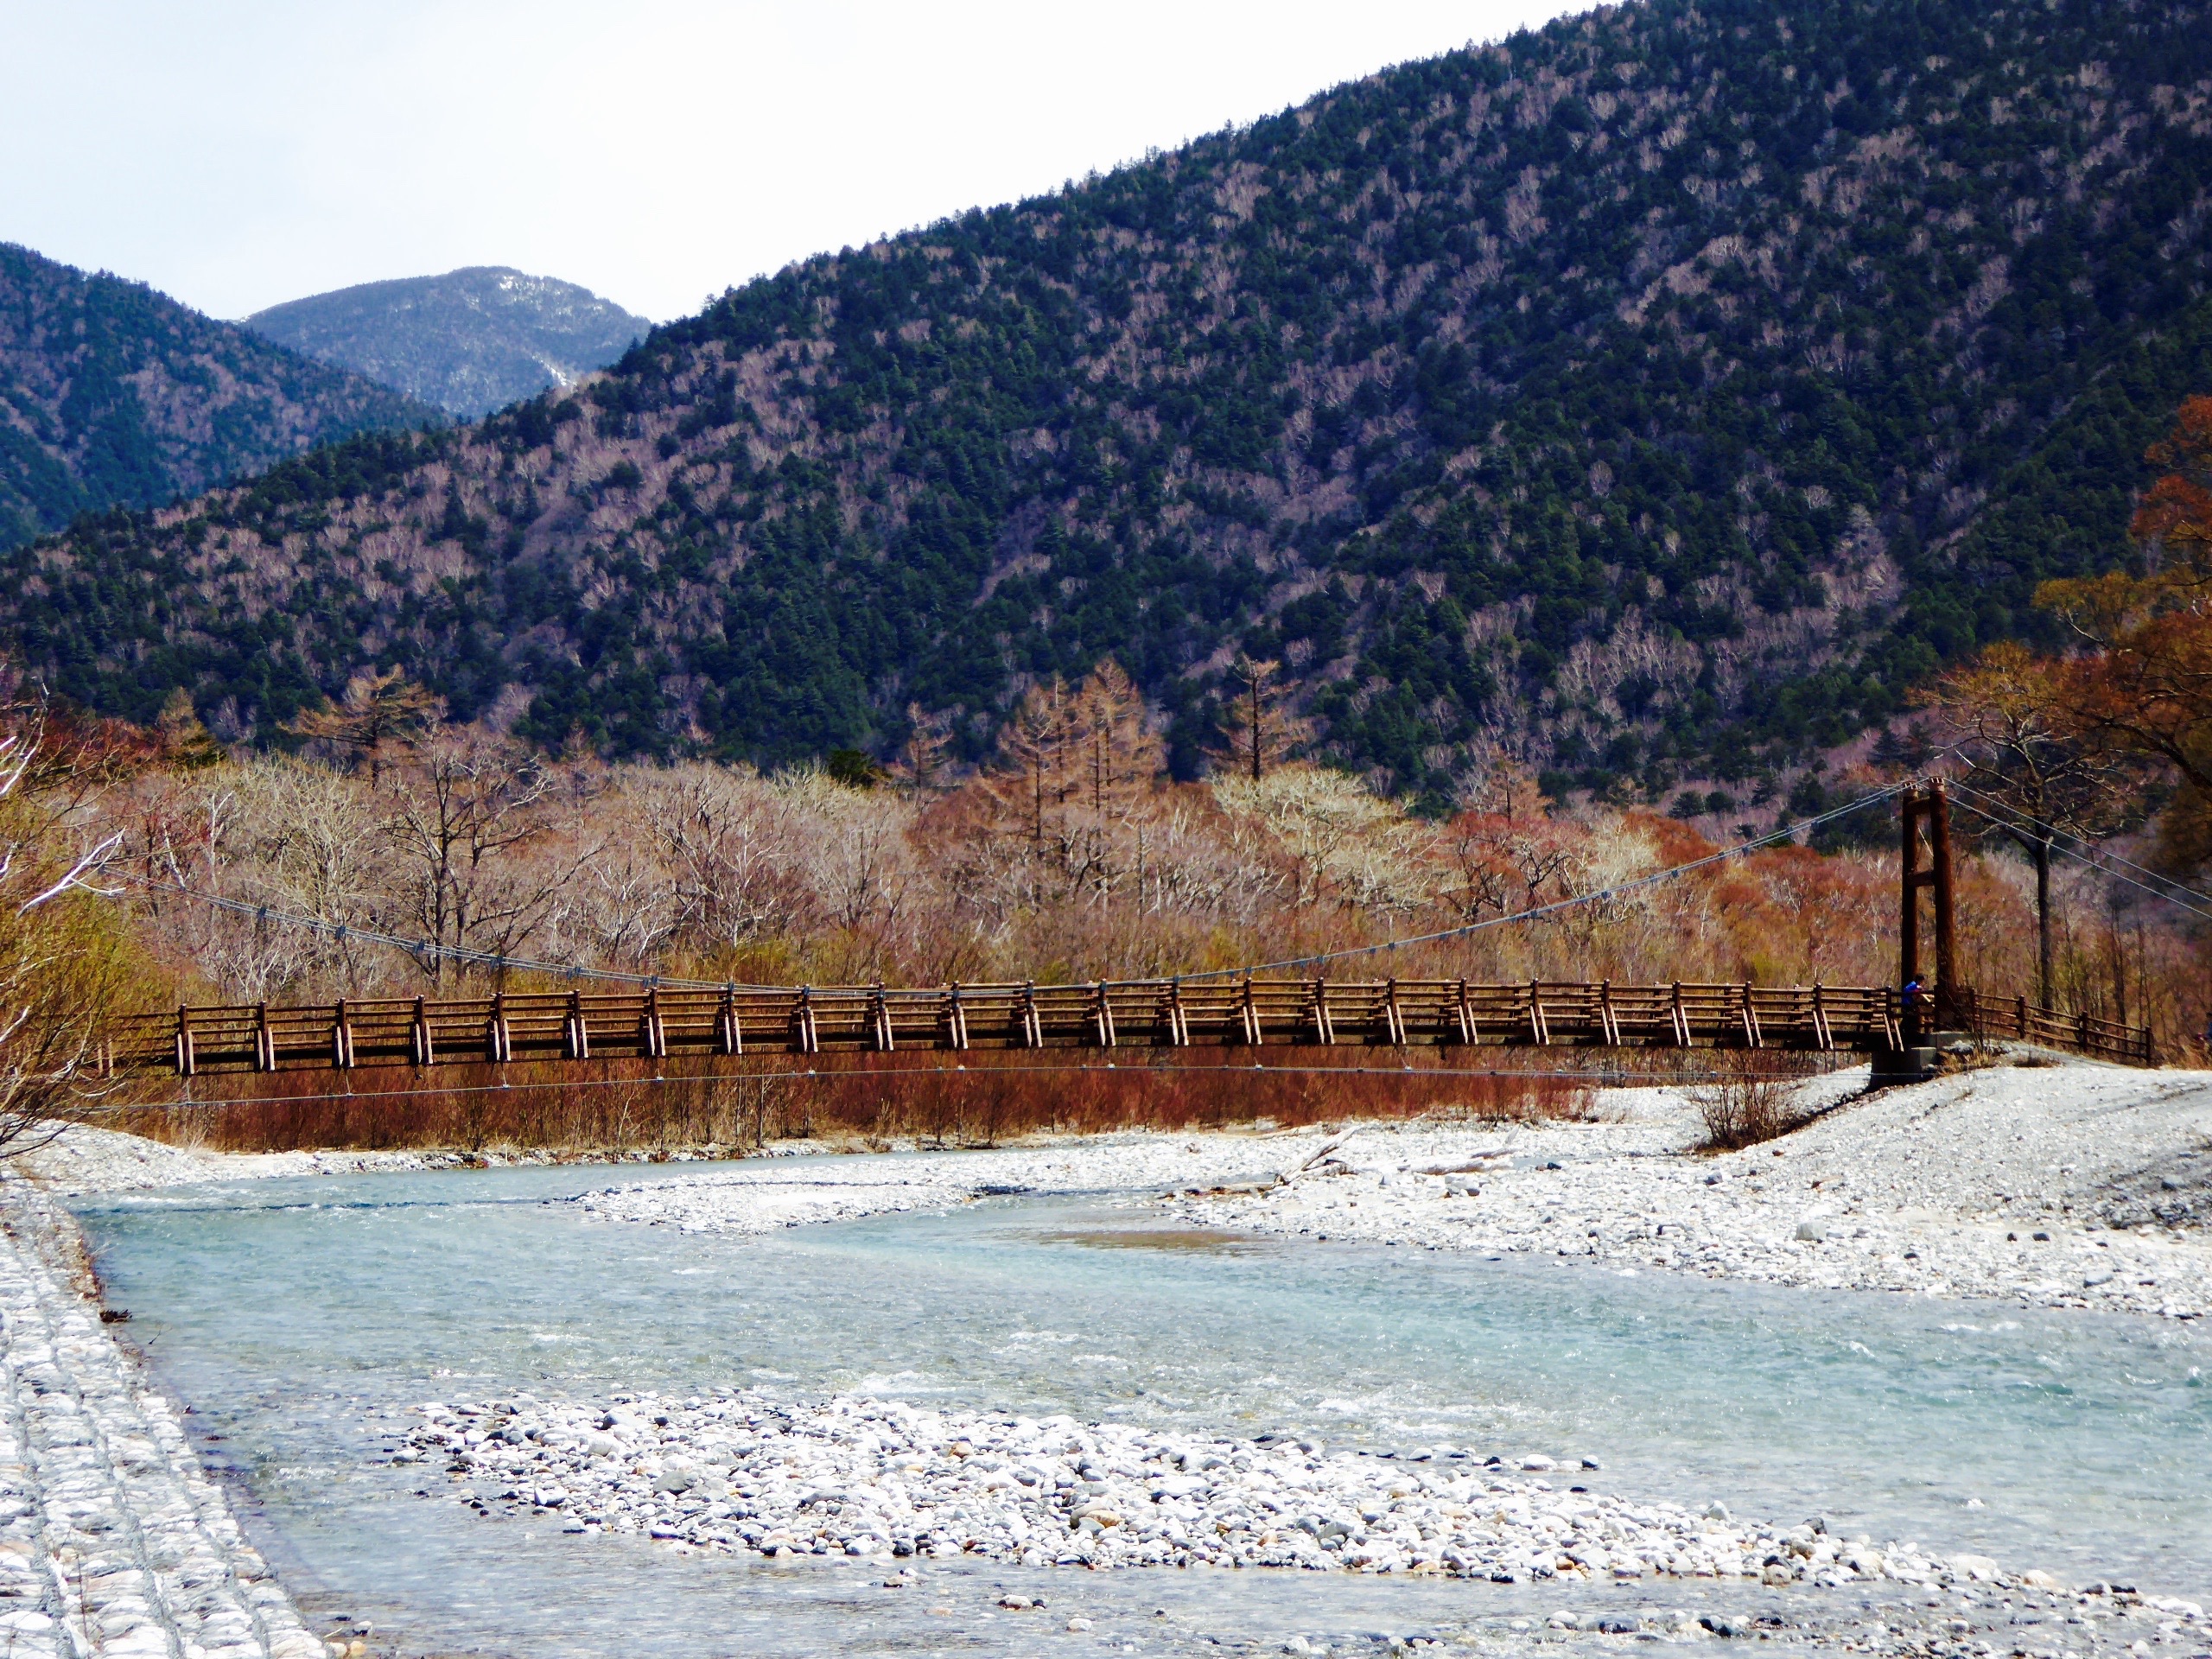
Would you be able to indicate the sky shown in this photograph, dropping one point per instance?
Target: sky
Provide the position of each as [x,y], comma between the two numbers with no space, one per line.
[237,153]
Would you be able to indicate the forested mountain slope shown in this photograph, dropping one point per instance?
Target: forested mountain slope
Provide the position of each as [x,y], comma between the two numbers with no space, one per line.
[112,394]
[470,341]
[1662,391]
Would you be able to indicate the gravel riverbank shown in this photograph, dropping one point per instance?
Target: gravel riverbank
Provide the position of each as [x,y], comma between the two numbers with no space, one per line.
[905,1488]
[2048,1186]
[869,1478]
[2071,1186]
[112,1539]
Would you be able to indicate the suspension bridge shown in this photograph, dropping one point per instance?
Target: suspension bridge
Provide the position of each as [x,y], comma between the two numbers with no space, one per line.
[1254,1010]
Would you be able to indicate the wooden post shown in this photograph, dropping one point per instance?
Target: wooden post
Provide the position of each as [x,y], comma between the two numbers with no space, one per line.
[419,1036]
[188,1063]
[956,1019]
[1939,835]
[1931,808]
[1324,1032]
[729,1027]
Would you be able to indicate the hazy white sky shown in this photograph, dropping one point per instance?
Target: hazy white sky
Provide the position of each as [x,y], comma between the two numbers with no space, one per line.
[235,153]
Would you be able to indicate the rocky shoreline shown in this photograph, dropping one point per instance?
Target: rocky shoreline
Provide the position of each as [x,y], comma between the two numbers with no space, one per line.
[1983,1187]
[112,1538]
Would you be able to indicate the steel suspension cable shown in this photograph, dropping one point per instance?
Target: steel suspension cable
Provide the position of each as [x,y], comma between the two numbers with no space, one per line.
[345,933]
[1788,832]
[2101,856]
[2093,863]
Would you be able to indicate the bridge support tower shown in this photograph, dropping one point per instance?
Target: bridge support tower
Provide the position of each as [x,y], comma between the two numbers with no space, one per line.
[1923,866]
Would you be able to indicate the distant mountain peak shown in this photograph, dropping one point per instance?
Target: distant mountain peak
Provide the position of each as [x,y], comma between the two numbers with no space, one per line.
[470,341]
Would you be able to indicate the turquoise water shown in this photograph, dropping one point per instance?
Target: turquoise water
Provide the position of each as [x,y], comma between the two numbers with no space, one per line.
[288,1315]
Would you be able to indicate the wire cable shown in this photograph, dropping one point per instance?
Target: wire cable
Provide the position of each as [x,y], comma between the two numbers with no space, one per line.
[2102,855]
[1602,1079]
[1788,832]
[341,932]
[2095,863]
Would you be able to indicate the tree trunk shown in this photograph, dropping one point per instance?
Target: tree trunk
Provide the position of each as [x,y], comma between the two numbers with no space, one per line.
[2042,849]
[1255,728]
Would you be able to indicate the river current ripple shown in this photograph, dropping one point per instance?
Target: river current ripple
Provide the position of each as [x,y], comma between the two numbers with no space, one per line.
[299,1318]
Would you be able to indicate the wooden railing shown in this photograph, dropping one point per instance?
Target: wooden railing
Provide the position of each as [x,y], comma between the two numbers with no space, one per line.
[653,1024]
[2015,1018]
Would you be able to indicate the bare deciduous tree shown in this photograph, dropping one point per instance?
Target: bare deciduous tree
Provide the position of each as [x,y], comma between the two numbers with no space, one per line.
[461,811]
[2008,718]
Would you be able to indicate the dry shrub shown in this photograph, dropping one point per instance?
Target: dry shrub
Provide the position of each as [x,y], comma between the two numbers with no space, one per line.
[874,1099]
[1749,1096]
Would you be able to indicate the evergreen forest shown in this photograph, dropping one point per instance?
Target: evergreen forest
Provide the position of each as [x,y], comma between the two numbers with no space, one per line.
[1655,397]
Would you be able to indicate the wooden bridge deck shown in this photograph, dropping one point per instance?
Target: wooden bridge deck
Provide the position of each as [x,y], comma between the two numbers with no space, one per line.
[650,1024]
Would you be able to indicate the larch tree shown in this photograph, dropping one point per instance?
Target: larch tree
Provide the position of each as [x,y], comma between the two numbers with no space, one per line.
[2143,680]
[1260,730]
[378,708]
[2009,718]
[1034,776]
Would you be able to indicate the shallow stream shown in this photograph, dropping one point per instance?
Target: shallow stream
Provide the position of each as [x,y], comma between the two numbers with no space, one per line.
[294,1317]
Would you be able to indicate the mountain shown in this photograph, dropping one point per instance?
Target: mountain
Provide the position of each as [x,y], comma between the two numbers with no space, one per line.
[112,394]
[470,341]
[1657,395]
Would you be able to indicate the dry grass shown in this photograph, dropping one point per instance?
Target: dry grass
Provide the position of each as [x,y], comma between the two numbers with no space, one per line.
[622,1106]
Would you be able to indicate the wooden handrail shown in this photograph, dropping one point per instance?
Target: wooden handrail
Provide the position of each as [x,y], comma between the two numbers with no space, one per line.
[532,1026]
